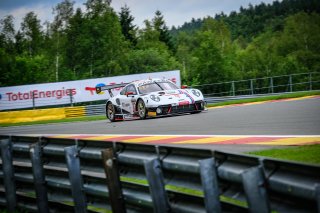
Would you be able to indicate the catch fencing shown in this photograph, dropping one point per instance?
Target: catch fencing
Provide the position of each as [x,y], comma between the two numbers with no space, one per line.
[69,175]
[267,85]
[244,89]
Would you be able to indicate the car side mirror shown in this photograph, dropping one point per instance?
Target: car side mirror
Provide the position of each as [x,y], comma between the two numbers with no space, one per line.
[184,87]
[129,93]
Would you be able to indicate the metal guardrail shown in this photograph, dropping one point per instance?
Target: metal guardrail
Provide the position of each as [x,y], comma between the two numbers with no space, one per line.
[98,109]
[64,175]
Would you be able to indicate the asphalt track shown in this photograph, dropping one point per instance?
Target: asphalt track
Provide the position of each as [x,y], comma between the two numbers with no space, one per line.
[299,116]
[290,117]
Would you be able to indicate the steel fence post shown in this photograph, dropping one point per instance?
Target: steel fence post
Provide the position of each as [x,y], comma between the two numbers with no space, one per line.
[39,177]
[233,88]
[254,186]
[290,82]
[71,98]
[75,177]
[33,101]
[8,174]
[110,165]
[251,87]
[310,81]
[271,84]
[156,186]
[209,180]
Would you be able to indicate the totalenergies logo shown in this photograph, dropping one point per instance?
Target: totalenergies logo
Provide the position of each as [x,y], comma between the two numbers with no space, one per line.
[92,90]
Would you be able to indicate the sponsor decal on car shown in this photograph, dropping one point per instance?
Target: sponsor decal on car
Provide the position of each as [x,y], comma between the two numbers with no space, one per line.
[182,103]
[152,114]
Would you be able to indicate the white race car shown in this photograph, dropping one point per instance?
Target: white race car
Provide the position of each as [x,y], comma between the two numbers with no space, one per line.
[151,98]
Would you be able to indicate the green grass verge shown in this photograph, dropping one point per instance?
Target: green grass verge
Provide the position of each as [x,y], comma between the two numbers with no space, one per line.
[268,98]
[88,118]
[304,154]
[184,190]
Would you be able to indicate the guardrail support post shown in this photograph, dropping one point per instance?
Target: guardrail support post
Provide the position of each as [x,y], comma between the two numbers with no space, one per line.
[110,164]
[74,170]
[210,186]
[38,177]
[253,183]
[156,185]
[8,172]
[318,196]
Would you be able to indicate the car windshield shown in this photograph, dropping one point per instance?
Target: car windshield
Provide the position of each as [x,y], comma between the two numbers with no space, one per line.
[147,88]
[167,85]
[154,87]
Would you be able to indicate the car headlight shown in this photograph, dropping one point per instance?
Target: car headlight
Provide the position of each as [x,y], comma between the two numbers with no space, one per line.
[196,92]
[155,98]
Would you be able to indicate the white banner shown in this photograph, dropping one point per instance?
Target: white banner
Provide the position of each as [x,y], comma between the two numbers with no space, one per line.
[18,97]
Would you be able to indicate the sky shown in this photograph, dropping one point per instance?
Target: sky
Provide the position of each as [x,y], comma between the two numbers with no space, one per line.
[175,12]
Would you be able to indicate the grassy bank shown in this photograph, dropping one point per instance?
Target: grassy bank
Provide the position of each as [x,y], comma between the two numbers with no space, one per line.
[304,154]
[268,98]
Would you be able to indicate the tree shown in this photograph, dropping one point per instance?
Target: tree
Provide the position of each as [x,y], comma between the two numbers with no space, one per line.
[74,57]
[210,63]
[160,26]
[63,13]
[7,34]
[212,53]
[127,26]
[97,7]
[150,60]
[103,42]
[300,41]
[32,33]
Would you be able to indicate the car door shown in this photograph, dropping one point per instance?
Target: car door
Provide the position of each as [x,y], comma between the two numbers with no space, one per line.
[128,99]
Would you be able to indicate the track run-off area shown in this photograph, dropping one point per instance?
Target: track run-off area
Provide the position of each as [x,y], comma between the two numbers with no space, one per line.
[283,122]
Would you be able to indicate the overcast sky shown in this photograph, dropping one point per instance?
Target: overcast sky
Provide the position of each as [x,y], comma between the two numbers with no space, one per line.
[175,12]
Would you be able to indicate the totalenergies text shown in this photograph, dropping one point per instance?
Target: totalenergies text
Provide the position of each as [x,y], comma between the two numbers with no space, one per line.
[41,94]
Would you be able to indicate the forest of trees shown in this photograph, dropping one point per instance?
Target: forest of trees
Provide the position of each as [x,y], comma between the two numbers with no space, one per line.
[258,41]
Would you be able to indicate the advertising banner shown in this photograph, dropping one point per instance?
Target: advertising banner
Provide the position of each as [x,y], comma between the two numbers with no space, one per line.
[35,95]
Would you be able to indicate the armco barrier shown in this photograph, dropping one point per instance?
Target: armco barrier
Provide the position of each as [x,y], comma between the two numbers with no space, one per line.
[65,175]
[75,111]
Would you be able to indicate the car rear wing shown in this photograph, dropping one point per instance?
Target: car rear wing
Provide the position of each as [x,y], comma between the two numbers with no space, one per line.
[109,88]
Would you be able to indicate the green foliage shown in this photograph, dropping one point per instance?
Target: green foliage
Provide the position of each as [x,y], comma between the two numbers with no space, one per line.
[258,41]
[127,26]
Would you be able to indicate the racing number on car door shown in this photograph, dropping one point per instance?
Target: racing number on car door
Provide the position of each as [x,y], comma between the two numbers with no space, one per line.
[127,99]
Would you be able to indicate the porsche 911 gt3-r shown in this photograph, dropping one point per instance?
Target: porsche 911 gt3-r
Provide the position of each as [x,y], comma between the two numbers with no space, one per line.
[151,98]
